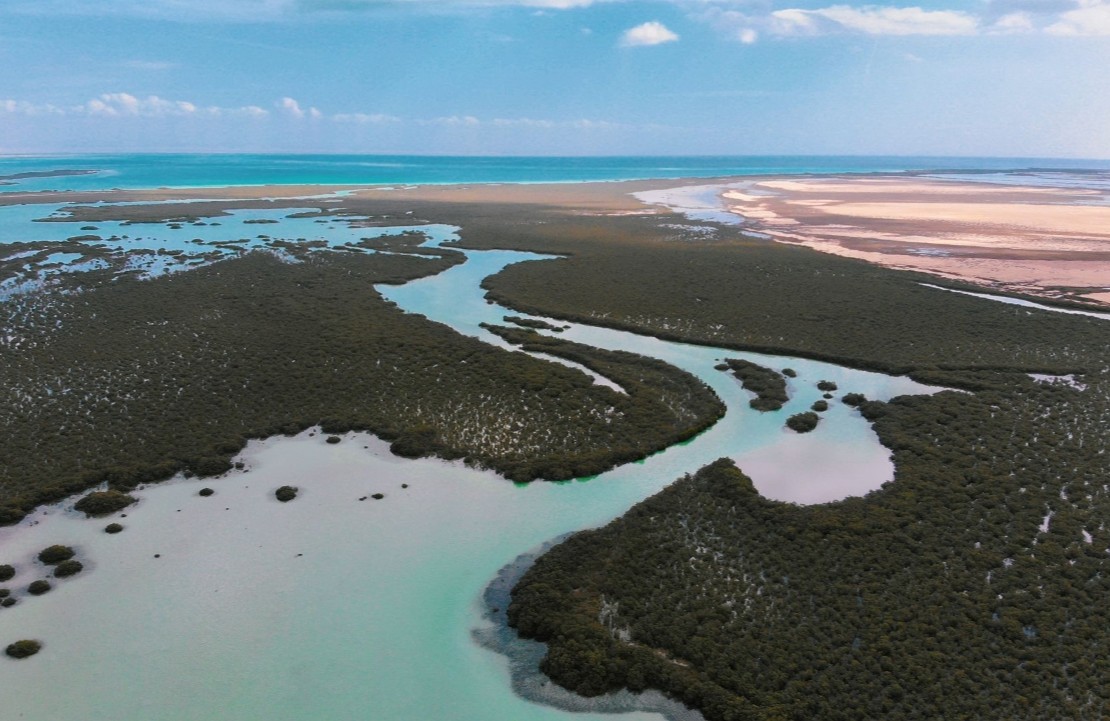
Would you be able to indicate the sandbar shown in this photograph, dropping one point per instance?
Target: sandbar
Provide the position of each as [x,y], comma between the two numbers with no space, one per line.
[1049,242]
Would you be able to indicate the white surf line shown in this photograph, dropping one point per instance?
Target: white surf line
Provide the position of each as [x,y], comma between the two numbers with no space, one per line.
[1021,302]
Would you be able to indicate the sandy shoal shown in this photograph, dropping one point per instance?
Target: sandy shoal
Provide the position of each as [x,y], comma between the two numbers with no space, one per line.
[1053,242]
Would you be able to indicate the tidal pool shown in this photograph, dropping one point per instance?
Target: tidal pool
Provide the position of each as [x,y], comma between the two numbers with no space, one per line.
[332,607]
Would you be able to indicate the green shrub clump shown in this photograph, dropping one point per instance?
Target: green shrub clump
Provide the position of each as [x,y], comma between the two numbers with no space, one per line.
[7,571]
[826,386]
[37,588]
[205,492]
[23,649]
[803,422]
[55,554]
[333,439]
[853,399]
[65,569]
[820,406]
[768,386]
[286,493]
[113,528]
[101,503]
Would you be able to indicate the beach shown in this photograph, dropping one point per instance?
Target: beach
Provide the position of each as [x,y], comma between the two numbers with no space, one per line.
[1048,242]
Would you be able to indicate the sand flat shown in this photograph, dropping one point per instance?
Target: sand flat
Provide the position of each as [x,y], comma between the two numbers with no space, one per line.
[1052,242]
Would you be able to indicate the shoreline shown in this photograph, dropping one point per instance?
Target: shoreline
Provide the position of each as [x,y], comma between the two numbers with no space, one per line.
[957,230]
[1048,243]
[524,655]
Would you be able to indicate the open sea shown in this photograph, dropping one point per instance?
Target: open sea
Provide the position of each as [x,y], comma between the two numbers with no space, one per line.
[131,171]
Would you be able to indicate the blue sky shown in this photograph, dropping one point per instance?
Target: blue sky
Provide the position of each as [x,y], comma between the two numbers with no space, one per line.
[576,77]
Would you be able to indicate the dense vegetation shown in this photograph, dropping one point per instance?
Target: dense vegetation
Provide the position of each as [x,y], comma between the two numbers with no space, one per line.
[102,503]
[664,404]
[68,568]
[769,387]
[750,294]
[803,422]
[972,587]
[53,555]
[131,382]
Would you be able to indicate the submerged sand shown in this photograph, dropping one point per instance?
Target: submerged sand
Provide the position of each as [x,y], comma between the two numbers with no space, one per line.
[1051,242]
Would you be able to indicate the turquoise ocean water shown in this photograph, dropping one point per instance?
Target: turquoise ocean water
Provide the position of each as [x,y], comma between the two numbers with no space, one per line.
[147,171]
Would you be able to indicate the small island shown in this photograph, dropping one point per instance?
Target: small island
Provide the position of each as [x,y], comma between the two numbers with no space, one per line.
[803,422]
[768,386]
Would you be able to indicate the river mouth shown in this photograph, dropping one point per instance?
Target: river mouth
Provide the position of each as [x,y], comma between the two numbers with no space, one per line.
[338,605]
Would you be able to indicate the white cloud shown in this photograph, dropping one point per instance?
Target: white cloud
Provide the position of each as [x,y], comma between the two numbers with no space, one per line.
[873,20]
[250,111]
[365,118]
[747,35]
[126,105]
[454,121]
[1016,22]
[291,107]
[1091,18]
[649,33]
[22,107]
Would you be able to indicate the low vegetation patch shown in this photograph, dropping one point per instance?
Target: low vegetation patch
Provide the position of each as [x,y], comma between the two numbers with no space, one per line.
[803,422]
[853,399]
[768,386]
[102,503]
[24,648]
[65,569]
[55,554]
[37,588]
[286,493]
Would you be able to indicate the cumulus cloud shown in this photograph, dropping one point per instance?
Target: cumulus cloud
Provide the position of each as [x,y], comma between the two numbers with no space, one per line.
[649,33]
[126,105]
[152,106]
[747,35]
[873,20]
[22,107]
[1015,22]
[1092,17]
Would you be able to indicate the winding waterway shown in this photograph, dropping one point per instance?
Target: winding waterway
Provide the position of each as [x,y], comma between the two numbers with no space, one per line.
[238,607]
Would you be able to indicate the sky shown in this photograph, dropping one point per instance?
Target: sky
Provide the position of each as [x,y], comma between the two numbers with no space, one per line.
[1025,78]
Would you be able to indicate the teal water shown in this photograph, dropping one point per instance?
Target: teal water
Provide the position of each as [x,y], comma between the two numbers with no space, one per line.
[151,171]
[334,608]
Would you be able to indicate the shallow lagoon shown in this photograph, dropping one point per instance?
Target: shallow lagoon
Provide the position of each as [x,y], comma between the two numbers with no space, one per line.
[374,620]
